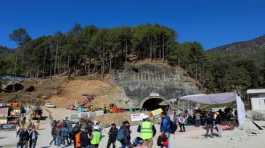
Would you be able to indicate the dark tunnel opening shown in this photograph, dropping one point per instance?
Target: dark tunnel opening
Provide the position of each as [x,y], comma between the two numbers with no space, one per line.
[153,103]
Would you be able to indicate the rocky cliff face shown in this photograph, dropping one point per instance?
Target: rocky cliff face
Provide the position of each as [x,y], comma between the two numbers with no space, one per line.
[139,80]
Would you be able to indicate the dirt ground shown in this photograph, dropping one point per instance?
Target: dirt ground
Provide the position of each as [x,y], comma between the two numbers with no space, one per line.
[63,92]
[71,92]
[43,88]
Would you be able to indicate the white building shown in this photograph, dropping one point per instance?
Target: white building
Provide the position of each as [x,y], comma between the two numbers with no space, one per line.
[257,98]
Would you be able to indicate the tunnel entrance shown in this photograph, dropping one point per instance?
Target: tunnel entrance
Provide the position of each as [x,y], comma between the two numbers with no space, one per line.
[152,103]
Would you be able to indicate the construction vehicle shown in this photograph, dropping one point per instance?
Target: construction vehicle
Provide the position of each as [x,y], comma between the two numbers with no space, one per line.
[85,103]
[36,113]
[114,109]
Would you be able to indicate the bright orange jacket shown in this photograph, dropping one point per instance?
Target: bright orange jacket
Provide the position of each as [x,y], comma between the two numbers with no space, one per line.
[77,140]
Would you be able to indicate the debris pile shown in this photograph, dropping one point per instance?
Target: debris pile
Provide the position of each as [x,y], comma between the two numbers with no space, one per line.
[90,94]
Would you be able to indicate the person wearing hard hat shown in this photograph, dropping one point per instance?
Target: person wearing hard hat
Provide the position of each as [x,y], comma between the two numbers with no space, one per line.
[147,131]
[96,137]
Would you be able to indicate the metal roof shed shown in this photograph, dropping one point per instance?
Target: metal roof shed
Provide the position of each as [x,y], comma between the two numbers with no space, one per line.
[257,99]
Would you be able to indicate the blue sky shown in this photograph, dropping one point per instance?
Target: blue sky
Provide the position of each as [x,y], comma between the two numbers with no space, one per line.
[211,22]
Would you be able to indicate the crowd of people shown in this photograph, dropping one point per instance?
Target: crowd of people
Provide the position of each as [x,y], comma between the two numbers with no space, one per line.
[61,133]
[88,134]
[27,134]
[208,119]
[84,134]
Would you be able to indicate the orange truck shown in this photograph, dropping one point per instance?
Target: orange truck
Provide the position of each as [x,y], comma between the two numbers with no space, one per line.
[114,108]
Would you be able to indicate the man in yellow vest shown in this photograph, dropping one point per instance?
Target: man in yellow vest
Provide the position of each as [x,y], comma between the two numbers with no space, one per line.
[96,137]
[147,132]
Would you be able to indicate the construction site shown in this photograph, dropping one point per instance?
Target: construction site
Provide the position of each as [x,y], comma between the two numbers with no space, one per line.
[128,95]
[140,87]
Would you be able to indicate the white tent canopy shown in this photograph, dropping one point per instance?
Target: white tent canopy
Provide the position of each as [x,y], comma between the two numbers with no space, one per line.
[220,98]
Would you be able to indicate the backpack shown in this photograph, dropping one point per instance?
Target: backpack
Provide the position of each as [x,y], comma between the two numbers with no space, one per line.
[162,140]
[120,135]
[75,130]
[173,126]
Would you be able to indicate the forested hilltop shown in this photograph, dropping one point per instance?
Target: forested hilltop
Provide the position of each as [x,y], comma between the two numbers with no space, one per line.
[88,49]
[239,64]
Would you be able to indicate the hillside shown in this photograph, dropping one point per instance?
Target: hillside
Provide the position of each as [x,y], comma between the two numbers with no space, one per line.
[244,46]
[72,91]
[6,60]
[4,51]
[239,65]
[63,91]
[123,88]
[253,49]
[142,78]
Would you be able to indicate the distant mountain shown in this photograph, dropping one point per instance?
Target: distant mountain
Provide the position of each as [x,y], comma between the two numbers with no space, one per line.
[4,51]
[243,46]
[252,49]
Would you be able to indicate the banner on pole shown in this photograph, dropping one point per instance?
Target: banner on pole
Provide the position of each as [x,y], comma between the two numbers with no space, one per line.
[138,116]
[157,112]
[241,112]
[4,112]
[3,115]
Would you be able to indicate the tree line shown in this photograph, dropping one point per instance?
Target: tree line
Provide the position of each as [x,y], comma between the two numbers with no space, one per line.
[88,49]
